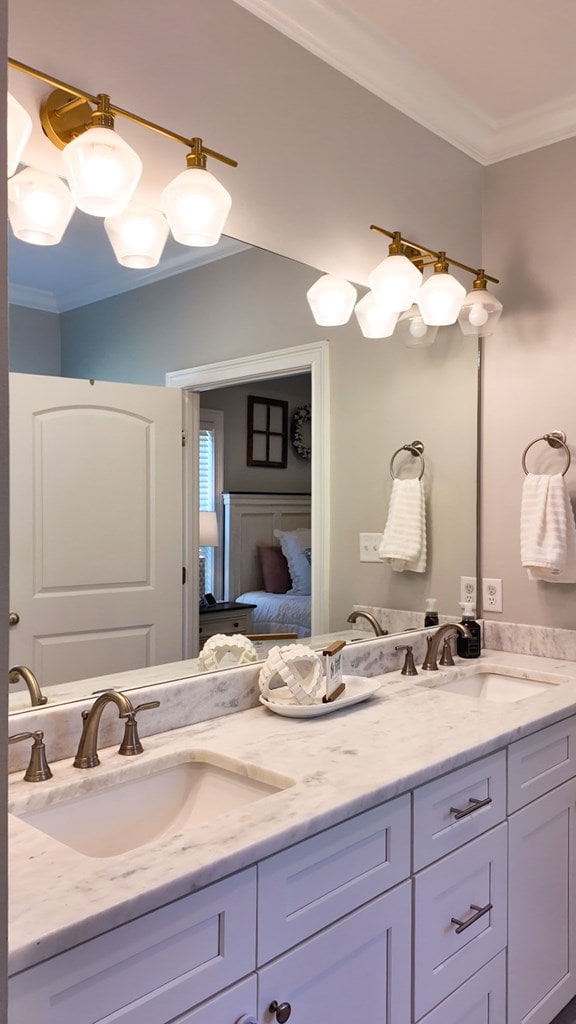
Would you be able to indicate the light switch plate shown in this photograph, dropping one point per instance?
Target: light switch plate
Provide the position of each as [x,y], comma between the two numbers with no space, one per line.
[369,544]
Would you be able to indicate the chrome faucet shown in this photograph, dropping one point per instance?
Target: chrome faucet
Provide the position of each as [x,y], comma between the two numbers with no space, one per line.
[37,698]
[430,663]
[87,753]
[373,622]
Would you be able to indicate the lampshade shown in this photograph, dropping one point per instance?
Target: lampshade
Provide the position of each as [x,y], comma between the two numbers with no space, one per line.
[39,206]
[440,299]
[19,128]
[412,330]
[374,320]
[331,300]
[137,236]
[196,206]
[102,170]
[208,530]
[395,282]
[480,312]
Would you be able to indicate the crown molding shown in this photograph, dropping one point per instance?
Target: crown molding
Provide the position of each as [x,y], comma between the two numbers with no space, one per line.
[33,298]
[348,43]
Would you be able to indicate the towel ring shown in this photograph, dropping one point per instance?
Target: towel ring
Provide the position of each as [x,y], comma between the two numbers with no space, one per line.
[416,448]
[556,439]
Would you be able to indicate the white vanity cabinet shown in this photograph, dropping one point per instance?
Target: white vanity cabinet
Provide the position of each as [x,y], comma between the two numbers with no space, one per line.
[542,851]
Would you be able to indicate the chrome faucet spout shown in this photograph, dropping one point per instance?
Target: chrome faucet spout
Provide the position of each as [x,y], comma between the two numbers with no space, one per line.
[87,753]
[370,618]
[37,698]
[430,663]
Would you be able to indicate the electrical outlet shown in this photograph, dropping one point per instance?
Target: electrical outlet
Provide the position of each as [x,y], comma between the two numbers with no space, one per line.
[492,595]
[468,590]
[369,544]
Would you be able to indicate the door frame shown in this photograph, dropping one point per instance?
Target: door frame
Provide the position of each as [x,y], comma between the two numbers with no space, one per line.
[311,358]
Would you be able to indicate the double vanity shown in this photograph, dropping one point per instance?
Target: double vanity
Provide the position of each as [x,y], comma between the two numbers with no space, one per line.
[411,858]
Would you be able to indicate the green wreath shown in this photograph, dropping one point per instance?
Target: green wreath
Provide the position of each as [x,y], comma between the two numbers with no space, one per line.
[301,416]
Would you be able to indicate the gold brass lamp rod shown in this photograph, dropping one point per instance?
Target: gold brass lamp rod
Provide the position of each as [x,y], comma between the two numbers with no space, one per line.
[399,240]
[191,143]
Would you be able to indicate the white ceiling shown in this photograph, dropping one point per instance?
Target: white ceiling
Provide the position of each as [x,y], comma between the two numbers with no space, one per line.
[496,78]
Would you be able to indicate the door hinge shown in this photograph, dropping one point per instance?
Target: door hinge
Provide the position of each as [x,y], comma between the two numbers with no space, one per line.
[184,575]
[183,438]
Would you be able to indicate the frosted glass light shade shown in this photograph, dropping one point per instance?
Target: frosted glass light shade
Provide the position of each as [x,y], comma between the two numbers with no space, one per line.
[19,129]
[374,320]
[196,207]
[412,330]
[395,282]
[137,236]
[102,170]
[480,312]
[39,207]
[440,299]
[331,300]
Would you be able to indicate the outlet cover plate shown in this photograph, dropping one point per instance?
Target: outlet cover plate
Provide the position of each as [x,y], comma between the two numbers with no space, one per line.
[468,590]
[492,595]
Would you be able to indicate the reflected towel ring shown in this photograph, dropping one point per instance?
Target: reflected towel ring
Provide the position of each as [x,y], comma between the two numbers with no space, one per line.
[416,448]
[556,439]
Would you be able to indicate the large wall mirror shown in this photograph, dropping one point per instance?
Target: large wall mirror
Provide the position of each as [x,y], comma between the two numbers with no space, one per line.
[245,302]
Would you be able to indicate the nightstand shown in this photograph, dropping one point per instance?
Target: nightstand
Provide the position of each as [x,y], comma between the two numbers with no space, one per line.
[225,617]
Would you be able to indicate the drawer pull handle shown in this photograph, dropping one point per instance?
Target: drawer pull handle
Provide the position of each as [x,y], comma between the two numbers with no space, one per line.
[473,805]
[281,1011]
[463,925]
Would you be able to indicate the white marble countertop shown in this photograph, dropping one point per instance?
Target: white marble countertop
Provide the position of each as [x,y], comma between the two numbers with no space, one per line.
[341,764]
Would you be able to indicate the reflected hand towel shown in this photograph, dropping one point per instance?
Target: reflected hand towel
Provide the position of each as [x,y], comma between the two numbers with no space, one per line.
[404,539]
[547,529]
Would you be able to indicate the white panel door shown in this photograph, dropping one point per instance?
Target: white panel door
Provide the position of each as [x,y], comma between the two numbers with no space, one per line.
[95,526]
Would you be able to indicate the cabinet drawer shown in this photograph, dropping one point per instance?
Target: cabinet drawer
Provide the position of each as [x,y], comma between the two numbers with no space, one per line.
[446,954]
[150,970]
[538,763]
[312,884]
[480,1000]
[450,811]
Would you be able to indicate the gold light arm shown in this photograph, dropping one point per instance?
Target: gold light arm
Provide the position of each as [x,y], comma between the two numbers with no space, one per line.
[68,99]
[399,244]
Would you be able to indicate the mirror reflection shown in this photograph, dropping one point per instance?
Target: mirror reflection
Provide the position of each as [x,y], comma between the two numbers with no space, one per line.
[243,302]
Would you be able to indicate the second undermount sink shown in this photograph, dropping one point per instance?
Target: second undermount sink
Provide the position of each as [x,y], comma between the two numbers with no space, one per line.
[170,800]
[496,685]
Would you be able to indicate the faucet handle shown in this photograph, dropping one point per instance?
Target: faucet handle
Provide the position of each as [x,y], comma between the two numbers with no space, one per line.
[408,668]
[131,741]
[446,657]
[38,769]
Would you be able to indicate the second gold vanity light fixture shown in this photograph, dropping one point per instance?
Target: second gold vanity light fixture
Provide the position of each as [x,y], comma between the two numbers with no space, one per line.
[102,172]
[400,302]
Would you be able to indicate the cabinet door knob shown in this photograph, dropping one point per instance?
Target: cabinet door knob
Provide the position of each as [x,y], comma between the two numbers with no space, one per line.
[13,619]
[282,1011]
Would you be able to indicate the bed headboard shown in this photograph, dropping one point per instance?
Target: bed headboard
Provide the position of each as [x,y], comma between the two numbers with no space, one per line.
[250,521]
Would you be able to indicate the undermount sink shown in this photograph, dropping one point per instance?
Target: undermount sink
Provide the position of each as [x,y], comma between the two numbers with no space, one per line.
[499,687]
[169,800]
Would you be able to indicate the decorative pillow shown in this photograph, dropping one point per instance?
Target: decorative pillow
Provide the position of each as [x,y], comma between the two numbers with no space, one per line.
[294,544]
[274,570]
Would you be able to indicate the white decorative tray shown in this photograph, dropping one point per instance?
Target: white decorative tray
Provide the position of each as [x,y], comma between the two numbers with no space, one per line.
[358,688]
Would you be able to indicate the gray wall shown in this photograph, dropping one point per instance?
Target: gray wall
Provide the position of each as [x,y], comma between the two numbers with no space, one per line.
[233,403]
[4,563]
[34,341]
[530,364]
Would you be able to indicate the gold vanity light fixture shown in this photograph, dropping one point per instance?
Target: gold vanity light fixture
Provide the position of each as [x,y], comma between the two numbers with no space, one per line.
[103,172]
[441,299]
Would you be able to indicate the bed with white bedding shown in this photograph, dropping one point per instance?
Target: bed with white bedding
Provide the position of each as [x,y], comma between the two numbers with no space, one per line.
[258,530]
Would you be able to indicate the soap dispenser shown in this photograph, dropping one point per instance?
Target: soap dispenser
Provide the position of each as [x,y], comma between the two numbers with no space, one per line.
[431,613]
[469,647]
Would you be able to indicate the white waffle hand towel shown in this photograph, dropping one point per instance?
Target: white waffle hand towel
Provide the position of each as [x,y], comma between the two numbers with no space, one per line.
[404,539]
[547,529]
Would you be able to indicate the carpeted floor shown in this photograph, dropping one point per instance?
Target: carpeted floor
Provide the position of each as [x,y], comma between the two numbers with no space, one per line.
[567,1015]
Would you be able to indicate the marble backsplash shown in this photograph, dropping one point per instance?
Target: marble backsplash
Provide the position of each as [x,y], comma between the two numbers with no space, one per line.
[543,641]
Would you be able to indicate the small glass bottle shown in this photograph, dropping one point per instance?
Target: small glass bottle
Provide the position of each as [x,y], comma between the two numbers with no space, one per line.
[431,614]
